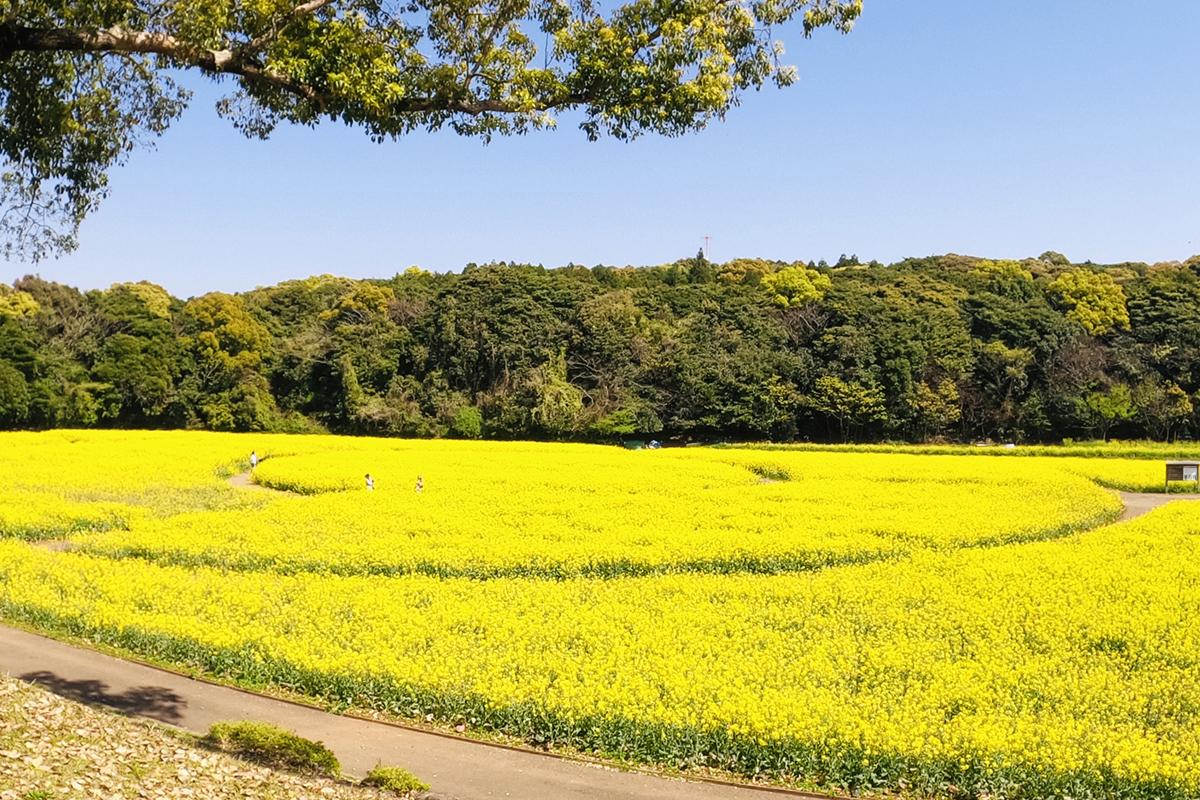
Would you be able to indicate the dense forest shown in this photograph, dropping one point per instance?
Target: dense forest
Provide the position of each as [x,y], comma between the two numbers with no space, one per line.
[947,347]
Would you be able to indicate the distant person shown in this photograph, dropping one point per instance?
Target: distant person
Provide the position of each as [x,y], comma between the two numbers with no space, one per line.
[370,483]
[420,484]
[253,459]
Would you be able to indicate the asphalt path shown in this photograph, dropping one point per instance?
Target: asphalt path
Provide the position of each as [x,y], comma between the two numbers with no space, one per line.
[455,768]
[1139,503]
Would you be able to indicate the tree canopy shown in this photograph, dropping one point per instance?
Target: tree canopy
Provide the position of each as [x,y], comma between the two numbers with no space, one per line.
[946,347]
[83,84]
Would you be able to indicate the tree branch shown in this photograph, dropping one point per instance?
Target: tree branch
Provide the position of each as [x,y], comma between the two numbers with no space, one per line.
[19,38]
[117,40]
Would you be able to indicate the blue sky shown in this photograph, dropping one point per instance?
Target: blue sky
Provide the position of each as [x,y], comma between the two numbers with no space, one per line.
[969,126]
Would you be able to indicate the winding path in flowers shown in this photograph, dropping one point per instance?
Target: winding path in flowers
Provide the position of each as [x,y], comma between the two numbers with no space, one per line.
[1136,503]
[1139,503]
[245,480]
[455,767]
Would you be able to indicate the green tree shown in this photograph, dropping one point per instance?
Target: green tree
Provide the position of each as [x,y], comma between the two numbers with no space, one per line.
[917,349]
[497,322]
[1003,377]
[795,286]
[851,404]
[1092,299]
[711,369]
[1161,408]
[558,405]
[1110,407]
[137,356]
[467,423]
[14,395]
[1006,278]
[226,341]
[636,417]
[1055,258]
[227,346]
[137,377]
[613,338]
[1164,315]
[16,304]
[247,406]
[935,408]
[745,270]
[82,84]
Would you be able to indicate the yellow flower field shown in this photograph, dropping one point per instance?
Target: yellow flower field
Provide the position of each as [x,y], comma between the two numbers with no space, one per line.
[492,510]
[954,625]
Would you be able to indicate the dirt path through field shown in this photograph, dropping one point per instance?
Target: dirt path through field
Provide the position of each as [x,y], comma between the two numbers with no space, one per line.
[245,480]
[453,767]
[1139,503]
[53,545]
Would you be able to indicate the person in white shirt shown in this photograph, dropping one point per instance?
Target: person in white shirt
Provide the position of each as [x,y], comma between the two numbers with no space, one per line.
[370,482]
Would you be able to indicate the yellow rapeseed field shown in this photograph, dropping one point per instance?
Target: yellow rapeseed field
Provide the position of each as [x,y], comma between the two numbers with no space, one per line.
[950,625]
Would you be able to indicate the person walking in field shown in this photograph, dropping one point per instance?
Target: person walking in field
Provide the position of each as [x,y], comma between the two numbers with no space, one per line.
[370,483]
[420,484]
[253,459]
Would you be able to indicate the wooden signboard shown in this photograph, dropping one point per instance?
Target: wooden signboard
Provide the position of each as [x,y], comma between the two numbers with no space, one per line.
[1183,471]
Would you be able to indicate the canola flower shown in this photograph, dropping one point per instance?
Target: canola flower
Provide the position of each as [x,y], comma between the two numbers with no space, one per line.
[46,515]
[952,625]
[113,475]
[554,512]
[1071,665]
[1112,449]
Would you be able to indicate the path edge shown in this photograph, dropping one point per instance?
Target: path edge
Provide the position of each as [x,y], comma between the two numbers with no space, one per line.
[299,702]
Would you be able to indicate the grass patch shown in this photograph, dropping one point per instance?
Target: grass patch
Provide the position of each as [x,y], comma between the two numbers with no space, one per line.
[395,779]
[770,472]
[274,747]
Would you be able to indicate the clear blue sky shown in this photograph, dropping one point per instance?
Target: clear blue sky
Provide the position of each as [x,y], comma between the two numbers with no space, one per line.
[969,126]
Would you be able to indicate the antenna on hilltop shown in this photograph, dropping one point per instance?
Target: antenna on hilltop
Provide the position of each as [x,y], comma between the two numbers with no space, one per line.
[706,238]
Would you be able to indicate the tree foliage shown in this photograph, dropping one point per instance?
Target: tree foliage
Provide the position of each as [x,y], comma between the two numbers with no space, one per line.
[16,304]
[1109,407]
[945,347]
[14,395]
[1092,299]
[84,84]
[852,404]
[795,286]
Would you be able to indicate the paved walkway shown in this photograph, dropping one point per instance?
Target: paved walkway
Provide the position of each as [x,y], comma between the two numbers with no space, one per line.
[455,768]
[1139,503]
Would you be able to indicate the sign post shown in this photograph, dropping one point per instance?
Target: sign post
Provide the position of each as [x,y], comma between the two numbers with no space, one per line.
[1182,471]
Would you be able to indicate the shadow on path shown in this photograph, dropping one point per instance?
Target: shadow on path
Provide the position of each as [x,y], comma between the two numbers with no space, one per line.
[154,702]
[454,766]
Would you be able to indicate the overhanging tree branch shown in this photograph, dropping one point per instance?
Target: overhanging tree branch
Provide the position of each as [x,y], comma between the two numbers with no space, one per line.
[117,40]
[82,85]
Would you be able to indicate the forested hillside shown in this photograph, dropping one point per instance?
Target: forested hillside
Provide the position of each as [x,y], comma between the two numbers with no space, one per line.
[946,347]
